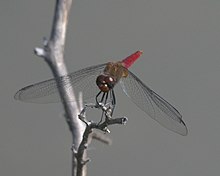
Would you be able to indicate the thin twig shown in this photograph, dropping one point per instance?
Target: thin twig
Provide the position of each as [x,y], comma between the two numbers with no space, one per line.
[81,159]
[53,53]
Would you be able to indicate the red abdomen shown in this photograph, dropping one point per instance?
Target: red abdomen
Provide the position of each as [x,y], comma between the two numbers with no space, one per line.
[128,61]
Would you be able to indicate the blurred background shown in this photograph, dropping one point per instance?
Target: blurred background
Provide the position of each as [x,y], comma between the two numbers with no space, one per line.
[180,40]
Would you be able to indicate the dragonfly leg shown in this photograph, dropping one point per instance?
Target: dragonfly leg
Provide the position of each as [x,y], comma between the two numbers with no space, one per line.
[102,99]
[113,100]
[104,96]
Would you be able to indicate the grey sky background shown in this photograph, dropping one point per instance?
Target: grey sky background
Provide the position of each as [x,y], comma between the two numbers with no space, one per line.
[180,40]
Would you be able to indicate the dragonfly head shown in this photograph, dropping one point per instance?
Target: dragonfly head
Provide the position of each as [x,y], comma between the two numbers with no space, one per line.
[105,83]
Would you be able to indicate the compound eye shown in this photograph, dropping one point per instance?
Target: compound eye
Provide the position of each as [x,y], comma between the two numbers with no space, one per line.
[100,80]
[105,83]
[108,79]
[110,82]
[101,83]
[104,87]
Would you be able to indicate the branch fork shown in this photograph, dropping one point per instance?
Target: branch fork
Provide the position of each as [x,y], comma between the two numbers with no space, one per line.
[107,110]
[103,126]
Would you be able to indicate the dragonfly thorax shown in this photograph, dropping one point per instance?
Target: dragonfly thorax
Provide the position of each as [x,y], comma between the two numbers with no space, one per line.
[105,82]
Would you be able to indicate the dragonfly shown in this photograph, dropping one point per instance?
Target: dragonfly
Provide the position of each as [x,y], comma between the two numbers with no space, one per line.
[99,81]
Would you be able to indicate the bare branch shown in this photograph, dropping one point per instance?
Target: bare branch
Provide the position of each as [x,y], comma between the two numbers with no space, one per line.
[53,53]
[80,156]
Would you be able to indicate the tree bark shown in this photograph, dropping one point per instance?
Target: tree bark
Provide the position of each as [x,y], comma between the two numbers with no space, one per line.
[53,53]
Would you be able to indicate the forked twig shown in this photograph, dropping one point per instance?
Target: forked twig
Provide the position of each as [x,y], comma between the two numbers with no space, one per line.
[103,126]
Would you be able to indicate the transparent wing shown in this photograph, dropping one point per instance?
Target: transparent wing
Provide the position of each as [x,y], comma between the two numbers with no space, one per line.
[83,81]
[153,104]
